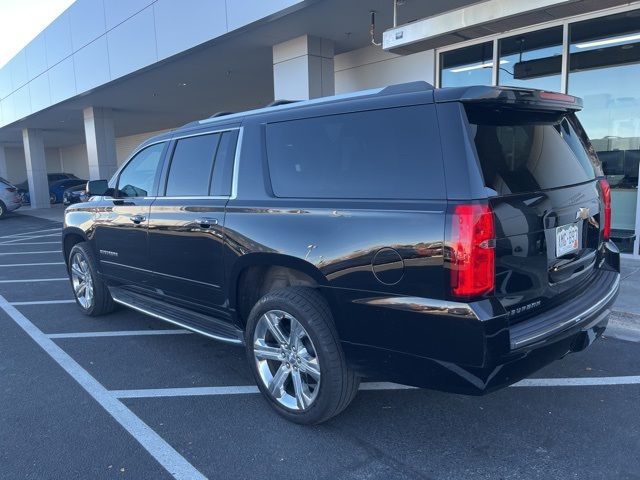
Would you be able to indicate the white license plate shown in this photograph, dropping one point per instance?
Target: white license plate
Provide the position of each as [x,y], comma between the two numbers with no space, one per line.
[567,239]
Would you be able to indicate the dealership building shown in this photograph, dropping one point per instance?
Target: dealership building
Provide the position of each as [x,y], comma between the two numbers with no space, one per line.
[107,74]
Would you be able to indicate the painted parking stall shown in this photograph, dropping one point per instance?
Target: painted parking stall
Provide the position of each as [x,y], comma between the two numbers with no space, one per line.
[186,403]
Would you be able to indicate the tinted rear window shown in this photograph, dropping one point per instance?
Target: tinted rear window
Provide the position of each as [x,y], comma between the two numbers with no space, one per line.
[191,165]
[520,152]
[386,154]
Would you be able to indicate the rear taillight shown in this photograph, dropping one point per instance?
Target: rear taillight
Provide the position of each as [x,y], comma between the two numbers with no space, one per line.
[472,243]
[606,201]
[11,189]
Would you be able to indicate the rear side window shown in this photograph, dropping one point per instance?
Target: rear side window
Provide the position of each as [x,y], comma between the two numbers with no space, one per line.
[385,154]
[191,166]
[519,152]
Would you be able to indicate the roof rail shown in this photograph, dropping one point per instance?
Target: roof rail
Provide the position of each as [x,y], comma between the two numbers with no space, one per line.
[220,114]
[410,87]
[275,103]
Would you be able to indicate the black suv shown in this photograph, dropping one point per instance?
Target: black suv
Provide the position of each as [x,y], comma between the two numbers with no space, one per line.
[455,239]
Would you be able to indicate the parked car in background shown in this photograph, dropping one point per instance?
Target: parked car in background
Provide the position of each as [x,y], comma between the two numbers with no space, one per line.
[58,183]
[10,199]
[75,194]
[455,239]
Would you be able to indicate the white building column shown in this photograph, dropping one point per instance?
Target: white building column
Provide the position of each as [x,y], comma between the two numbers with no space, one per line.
[303,68]
[101,143]
[36,168]
[4,171]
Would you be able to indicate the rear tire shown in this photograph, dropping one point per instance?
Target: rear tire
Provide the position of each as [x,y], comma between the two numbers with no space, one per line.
[306,368]
[3,209]
[52,198]
[90,291]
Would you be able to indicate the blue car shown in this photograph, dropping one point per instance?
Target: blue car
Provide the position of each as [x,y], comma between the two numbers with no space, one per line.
[56,189]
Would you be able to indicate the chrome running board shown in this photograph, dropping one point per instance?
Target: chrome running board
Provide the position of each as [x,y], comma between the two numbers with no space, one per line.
[196,322]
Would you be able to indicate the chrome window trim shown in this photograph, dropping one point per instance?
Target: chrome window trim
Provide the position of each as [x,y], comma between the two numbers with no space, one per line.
[192,197]
[208,132]
[236,165]
[235,160]
[145,145]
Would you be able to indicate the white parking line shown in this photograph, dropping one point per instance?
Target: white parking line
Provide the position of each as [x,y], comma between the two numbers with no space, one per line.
[30,280]
[119,333]
[157,447]
[31,264]
[19,240]
[42,302]
[31,253]
[57,242]
[185,392]
[31,232]
[370,386]
[578,382]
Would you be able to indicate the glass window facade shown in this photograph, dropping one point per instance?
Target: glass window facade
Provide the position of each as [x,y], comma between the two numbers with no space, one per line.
[604,69]
[467,66]
[601,61]
[532,60]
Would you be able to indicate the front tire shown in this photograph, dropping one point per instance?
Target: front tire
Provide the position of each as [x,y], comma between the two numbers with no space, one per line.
[90,292]
[296,357]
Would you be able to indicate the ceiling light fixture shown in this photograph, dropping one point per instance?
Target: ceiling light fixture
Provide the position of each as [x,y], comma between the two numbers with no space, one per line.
[477,67]
[183,84]
[609,41]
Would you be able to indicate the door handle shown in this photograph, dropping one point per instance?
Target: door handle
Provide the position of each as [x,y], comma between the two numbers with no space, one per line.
[206,222]
[137,219]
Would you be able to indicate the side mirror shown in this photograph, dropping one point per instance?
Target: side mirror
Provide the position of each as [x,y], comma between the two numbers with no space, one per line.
[97,187]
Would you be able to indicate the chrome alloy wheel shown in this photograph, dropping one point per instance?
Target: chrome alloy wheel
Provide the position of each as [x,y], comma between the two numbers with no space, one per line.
[82,281]
[286,360]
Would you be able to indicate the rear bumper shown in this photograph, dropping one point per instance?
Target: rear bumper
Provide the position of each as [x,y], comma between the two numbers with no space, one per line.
[476,351]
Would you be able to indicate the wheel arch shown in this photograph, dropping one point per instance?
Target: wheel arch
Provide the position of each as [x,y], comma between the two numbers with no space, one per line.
[256,270]
[70,237]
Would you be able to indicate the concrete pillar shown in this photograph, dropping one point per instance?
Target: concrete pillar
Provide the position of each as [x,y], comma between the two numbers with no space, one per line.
[4,171]
[303,68]
[36,168]
[101,143]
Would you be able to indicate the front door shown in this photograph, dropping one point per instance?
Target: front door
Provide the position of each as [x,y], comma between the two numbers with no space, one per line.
[121,221]
[186,223]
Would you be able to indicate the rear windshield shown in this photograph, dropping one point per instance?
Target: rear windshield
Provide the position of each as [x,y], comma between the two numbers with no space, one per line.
[525,152]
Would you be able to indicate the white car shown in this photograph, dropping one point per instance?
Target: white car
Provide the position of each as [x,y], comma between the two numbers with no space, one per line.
[10,199]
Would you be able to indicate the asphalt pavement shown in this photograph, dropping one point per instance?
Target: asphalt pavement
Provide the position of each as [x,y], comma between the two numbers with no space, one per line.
[127,396]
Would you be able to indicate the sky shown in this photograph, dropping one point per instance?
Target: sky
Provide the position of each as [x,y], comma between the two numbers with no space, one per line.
[23,20]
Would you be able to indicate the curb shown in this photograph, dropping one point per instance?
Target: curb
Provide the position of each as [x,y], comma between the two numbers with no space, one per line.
[624,326]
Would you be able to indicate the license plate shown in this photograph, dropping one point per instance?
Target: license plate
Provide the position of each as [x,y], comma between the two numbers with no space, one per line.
[567,240]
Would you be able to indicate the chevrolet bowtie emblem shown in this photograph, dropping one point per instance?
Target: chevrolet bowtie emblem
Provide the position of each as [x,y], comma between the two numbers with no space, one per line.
[582,213]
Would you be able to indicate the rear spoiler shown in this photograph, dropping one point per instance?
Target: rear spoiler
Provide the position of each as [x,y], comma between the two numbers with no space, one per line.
[520,98]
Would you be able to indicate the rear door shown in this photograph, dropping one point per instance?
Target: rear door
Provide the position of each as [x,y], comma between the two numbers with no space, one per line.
[540,173]
[186,221]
